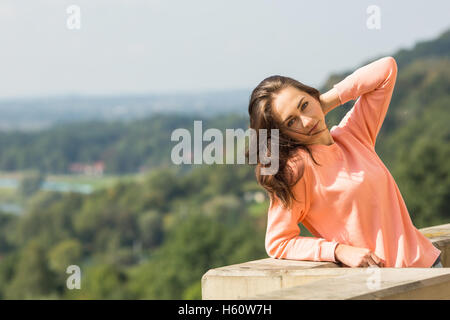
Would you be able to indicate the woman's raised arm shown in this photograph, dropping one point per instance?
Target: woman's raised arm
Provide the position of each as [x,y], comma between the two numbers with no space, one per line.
[373,84]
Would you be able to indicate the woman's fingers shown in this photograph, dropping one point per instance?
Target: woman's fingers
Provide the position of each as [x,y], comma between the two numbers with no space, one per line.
[375,260]
[372,263]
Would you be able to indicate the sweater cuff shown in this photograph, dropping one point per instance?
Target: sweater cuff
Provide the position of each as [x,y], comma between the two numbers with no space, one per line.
[327,251]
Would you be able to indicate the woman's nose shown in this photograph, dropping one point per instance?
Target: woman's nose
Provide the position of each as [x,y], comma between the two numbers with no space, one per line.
[307,122]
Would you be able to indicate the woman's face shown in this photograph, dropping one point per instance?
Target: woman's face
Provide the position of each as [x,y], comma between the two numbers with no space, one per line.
[301,113]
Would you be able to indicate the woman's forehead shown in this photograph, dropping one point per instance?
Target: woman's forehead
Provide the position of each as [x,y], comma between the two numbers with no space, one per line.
[285,100]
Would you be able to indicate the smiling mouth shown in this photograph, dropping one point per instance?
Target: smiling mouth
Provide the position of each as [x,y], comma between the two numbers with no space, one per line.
[315,126]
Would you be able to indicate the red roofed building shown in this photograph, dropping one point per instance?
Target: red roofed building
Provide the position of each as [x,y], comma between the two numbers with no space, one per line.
[95,169]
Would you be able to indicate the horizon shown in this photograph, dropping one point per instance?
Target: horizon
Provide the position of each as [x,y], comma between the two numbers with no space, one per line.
[163,48]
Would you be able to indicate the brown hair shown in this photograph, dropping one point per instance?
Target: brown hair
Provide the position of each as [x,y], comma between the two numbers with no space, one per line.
[262,117]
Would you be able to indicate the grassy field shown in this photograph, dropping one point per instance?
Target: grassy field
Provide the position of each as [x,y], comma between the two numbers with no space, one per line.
[10,195]
[7,194]
[97,182]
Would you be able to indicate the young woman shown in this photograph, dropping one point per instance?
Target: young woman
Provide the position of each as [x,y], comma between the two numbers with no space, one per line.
[332,181]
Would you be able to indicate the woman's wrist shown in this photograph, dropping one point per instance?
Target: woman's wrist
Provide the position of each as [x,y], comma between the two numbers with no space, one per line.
[329,100]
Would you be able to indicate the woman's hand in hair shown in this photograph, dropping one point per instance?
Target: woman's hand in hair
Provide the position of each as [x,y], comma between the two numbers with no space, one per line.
[329,100]
[355,257]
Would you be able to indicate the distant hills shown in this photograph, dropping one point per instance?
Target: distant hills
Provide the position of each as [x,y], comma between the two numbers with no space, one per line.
[41,113]
[426,60]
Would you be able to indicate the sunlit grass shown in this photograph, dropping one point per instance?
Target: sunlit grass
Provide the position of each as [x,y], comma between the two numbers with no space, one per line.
[7,194]
[96,182]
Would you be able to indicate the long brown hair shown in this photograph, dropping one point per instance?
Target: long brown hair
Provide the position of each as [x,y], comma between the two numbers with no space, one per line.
[261,114]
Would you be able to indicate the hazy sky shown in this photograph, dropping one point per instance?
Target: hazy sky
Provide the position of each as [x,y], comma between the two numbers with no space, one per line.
[158,46]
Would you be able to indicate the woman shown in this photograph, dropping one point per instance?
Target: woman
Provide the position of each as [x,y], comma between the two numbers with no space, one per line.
[332,181]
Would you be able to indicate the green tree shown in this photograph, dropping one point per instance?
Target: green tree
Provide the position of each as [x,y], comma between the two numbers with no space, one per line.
[30,183]
[33,278]
[101,282]
[196,243]
[64,254]
[150,228]
[424,179]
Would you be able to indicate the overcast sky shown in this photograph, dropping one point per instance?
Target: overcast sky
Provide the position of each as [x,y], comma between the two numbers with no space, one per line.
[159,46]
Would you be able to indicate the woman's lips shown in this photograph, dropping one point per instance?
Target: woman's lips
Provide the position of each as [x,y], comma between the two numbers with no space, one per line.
[313,127]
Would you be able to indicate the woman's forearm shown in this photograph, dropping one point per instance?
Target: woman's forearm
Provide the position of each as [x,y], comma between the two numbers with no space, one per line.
[329,100]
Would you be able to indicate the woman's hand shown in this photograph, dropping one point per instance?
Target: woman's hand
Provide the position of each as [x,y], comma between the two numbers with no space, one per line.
[355,257]
[329,100]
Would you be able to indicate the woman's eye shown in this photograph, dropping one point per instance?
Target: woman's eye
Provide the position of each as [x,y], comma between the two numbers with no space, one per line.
[305,104]
[291,122]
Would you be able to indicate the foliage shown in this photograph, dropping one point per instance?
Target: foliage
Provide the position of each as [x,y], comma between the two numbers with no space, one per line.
[155,238]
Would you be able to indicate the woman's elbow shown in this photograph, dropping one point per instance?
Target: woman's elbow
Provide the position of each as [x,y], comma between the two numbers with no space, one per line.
[390,69]
[273,249]
[272,254]
[270,248]
[392,63]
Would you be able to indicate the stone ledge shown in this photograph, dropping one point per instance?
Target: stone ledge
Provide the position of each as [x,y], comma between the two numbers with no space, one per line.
[440,237]
[265,276]
[253,277]
[360,283]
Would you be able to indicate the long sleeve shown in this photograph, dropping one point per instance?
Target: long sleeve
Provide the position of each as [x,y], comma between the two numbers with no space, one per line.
[283,240]
[373,84]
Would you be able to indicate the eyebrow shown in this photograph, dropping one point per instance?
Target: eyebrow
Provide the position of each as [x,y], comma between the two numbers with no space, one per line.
[299,103]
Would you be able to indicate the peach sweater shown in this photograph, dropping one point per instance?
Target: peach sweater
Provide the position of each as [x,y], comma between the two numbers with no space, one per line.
[352,198]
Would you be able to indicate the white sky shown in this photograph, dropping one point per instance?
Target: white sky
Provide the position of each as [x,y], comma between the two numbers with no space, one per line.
[158,46]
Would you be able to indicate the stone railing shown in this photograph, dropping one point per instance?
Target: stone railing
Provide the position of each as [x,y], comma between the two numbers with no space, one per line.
[291,279]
